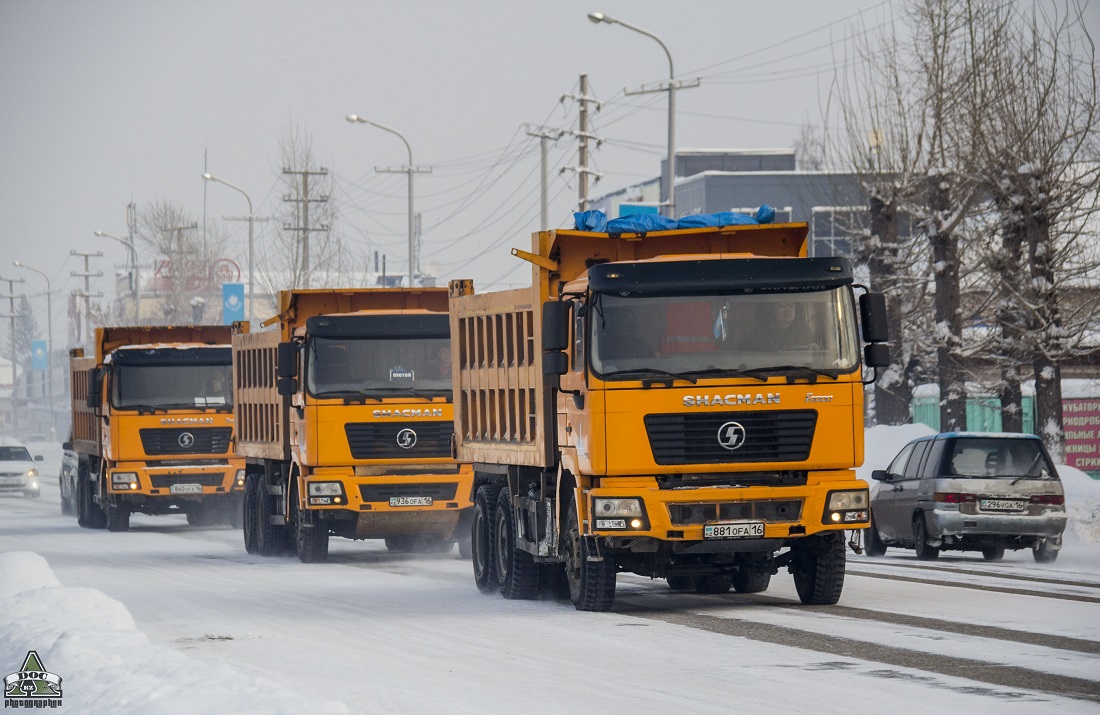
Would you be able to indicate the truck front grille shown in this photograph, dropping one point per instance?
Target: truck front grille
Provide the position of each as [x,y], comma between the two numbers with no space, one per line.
[693,438]
[399,440]
[165,481]
[688,514]
[186,440]
[383,492]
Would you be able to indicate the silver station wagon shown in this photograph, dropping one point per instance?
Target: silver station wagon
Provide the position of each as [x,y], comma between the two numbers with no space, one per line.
[969,491]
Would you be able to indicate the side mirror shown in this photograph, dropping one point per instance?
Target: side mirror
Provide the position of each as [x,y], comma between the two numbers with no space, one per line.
[67,446]
[94,394]
[286,361]
[286,385]
[872,318]
[876,355]
[555,363]
[880,475]
[38,458]
[555,325]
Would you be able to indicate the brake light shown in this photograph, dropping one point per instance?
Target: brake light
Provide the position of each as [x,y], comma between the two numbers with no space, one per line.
[1048,499]
[953,497]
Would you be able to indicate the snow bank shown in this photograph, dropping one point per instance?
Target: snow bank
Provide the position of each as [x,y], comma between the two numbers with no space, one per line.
[107,666]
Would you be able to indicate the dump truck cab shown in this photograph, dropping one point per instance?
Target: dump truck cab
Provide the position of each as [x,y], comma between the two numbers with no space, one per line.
[153,426]
[704,413]
[366,399]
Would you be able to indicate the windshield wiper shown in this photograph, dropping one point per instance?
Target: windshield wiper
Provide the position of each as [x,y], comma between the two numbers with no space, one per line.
[792,371]
[733,372]
[650,372]
[426,393]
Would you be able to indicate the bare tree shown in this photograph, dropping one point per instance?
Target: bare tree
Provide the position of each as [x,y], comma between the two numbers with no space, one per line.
[309,251]
[183,278]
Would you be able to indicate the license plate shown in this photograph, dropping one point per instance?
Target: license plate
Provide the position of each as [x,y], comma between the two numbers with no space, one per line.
[410,501]
[734,530]
[11,481]
[185,489]
[1002,504]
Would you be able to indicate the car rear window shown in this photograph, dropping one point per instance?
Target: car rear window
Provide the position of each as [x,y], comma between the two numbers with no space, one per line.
[978,457]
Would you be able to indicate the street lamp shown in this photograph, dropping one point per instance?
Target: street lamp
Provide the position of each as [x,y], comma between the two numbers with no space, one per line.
[670,170]
[410,170]
[49,331]
[211,177]
[135,289]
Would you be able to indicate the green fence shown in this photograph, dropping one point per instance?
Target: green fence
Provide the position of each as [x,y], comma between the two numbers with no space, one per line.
[983,414]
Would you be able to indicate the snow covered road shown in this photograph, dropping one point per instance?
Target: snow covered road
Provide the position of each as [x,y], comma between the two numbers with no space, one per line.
[371,631]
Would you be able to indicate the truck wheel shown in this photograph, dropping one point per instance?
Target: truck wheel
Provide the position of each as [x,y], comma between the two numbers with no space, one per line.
[716,583]
[591,583]
[752,577]
[94,516]
[202,514]
[920,541]
[310,542]
[481,539]
[874,545]
[118,516]
[78,497]
[993,553]
[818,568]
[271,539]
[248,512]
[517,571]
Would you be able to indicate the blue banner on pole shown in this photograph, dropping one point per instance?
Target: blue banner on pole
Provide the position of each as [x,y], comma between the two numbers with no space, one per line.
[232,302]
[40,355]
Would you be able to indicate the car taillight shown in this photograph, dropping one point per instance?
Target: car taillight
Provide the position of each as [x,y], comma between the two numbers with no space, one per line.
[1048,499]
[953,497]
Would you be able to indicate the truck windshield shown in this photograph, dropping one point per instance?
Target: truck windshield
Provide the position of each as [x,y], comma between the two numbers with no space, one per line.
[172,386]
[341,367]
[704,335]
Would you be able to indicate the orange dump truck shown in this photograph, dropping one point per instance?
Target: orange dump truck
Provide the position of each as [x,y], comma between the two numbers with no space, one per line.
[153,426]
[346,414]
[682,404]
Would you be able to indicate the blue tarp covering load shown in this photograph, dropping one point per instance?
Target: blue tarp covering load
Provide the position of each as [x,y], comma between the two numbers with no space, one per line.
[596,221]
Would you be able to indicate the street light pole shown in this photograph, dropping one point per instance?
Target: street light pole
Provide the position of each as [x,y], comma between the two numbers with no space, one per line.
[251,219]
[135,290]
[410,170]
[49,351]
[670,170]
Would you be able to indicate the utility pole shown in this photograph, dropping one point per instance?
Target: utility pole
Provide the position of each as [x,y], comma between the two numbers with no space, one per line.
[87,294]
[545,135]
[11,328]
[251,275]
[305,200]
[414,255]
[669,207]
[581,169]
[131,226]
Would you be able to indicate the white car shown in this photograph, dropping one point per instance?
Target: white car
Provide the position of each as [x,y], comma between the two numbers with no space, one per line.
[17,470]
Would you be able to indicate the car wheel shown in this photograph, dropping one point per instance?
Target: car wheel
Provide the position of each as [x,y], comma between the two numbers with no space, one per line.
[874,545]
[1043,554]
[993,553]
[920,541]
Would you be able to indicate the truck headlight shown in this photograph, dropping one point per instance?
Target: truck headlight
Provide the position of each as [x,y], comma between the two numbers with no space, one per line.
[325,489]
[619,514]
[124,480]
[240,477]
[846,507]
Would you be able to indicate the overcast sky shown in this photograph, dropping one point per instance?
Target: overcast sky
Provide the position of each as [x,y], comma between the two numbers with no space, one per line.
[110,101]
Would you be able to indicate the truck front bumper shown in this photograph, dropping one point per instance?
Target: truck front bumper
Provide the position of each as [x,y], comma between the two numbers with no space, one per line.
[177,480]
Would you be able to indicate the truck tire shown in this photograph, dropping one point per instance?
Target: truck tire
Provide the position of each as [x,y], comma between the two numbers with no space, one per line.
[517,572]
[753,576]
[713,583]
[118,516]
[680,583]
[310,540]
[482,540]
[920,540]
[818,568]
[271,539]
[94,516]
[248,512]
[873,543]
[591,583]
